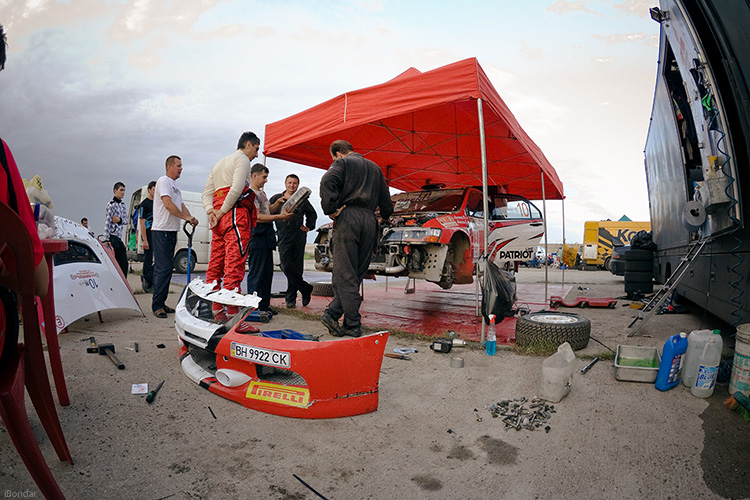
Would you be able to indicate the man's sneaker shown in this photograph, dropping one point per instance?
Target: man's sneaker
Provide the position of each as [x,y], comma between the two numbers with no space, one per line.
[352,332]
[246,327]
[168,310]
[159,313]
[332,325]
[221,317]
[291,305]
[306,298]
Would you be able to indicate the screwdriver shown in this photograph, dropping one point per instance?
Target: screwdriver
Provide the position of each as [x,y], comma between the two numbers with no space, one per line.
[151,395]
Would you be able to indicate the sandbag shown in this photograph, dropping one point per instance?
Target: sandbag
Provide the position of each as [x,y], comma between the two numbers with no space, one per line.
[498,292]
[642,240]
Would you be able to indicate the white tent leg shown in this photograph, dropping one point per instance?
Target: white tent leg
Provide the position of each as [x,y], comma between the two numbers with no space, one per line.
[485,194]
[546,245]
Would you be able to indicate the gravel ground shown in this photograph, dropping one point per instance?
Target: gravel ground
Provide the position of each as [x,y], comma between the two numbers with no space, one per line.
[432,437]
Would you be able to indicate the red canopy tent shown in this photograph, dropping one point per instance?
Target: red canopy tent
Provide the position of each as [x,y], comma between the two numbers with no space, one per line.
[423,128]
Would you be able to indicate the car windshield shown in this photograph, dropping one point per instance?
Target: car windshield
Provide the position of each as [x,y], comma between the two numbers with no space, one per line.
[445,200]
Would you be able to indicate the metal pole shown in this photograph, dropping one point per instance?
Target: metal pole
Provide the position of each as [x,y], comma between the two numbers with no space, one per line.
[546,245]
[485,195]
[563,250]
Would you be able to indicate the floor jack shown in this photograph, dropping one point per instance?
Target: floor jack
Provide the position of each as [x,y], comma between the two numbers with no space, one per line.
[555,302]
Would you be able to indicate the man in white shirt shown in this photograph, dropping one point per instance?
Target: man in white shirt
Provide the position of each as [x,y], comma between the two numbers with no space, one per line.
[169,212]
[230,220]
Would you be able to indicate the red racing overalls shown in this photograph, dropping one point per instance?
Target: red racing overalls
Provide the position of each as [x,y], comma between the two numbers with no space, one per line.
[230,241]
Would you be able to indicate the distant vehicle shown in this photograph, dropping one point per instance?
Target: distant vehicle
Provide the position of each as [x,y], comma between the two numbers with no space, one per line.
[599,237]
[697,152]
[436,235]
[201,239]
[616,265]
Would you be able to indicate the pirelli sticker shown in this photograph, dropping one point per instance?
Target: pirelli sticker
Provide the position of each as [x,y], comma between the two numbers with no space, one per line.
[281,394]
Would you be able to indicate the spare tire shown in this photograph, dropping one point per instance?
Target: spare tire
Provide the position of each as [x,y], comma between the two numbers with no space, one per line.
[639,265]
[638,277]
[322,288]
[639,254]
[549,329]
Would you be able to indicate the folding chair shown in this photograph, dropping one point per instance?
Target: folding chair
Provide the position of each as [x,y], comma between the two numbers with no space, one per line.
[23,363]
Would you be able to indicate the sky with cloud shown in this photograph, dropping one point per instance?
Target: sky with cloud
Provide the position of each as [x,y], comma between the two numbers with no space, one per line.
[99,91]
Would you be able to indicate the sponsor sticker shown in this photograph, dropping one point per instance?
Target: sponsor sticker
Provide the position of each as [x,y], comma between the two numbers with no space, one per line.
[281,394]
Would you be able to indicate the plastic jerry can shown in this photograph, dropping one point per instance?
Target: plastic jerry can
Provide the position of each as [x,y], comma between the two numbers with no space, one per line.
[708,366]
[696,341]
[557,374]
[671,360]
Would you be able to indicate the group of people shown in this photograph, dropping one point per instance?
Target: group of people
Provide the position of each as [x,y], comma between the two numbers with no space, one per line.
[241,218]
[159,217]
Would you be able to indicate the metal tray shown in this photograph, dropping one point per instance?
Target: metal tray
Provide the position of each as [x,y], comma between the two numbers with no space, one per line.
[647,355]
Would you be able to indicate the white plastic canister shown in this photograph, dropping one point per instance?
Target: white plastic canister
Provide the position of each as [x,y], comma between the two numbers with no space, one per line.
[708,368]
[557,374]
[740,379]
[696,341]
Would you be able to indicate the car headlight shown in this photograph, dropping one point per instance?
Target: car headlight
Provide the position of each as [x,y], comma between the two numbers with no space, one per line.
[417,234]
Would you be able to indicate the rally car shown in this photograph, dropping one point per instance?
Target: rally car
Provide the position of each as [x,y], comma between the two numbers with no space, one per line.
[436,235]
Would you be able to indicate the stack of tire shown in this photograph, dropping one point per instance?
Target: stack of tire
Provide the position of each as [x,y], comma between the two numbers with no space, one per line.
[639,273]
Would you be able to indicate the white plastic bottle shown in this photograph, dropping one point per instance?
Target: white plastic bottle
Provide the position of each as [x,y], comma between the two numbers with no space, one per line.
[708,366]
[696,341]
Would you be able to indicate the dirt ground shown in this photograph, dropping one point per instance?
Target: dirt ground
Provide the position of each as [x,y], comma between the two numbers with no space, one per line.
[432,436]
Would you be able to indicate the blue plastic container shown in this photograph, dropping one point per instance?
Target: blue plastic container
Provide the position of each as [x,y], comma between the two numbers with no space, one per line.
[490,346]
[671,359]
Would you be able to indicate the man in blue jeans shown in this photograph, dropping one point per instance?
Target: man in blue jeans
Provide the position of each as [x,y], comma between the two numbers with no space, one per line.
[263,241]
[169,212]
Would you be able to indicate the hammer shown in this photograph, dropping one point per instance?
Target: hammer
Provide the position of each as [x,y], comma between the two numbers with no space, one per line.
[109,351]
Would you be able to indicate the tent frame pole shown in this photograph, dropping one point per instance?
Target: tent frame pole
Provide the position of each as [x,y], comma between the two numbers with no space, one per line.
[563,247]
[546,244]
[485,200]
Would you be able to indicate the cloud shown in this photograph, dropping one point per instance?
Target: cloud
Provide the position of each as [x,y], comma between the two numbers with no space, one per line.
[563,7]
[638,7]
[529,53]
[232,30]
[615,38]
[143,17]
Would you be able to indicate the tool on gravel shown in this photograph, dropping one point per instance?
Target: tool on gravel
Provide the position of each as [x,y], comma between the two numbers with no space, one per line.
[151,395]
[105,350]
[92,347]
[397,356]
[588,366]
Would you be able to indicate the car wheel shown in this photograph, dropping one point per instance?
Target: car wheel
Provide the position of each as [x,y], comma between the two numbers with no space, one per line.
[181,262]
[449,273]
[548,329]
[608,264]
[322,288]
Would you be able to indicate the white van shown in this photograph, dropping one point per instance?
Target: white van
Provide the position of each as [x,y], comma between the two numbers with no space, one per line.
[201,238]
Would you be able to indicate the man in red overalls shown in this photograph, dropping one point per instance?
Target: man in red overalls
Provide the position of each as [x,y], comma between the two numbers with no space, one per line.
[231,216]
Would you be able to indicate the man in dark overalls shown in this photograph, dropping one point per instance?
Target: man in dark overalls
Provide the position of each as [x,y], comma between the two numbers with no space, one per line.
[350,192]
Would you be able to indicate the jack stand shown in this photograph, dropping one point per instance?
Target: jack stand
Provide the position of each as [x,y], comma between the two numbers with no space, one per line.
[410,289]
